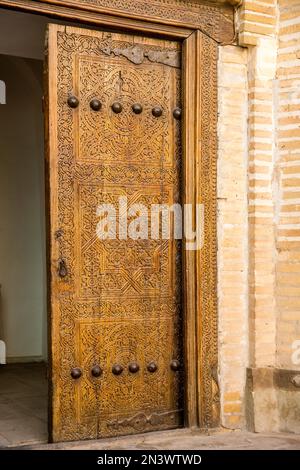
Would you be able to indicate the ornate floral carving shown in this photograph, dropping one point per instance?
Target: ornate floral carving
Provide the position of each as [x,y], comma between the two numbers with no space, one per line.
[124,133]
[142,421]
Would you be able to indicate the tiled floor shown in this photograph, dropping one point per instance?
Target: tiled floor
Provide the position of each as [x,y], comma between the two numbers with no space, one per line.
[23,404]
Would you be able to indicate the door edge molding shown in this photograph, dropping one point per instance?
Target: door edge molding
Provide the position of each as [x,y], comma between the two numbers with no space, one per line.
[200,267]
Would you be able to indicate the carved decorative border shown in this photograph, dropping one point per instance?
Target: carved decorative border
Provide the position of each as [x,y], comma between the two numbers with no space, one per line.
[200,179]
[216,21]
[190,13]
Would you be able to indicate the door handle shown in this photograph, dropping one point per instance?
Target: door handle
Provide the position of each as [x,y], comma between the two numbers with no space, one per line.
[62,268]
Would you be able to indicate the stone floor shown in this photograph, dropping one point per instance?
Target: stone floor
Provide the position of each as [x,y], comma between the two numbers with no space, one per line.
[23,404]
[185,439]
[23,422]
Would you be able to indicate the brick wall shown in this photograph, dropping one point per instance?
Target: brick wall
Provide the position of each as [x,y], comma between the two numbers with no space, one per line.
[261,154]
[232,233]
[259,217]
[288,196]
[257,19]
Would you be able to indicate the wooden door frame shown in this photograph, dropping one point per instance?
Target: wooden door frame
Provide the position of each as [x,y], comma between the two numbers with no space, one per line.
[200,55]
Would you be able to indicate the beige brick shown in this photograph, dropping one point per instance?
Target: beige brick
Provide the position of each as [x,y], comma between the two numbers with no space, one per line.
[251,5]
[258,19]
[232,396]
[263,29]
[232,408]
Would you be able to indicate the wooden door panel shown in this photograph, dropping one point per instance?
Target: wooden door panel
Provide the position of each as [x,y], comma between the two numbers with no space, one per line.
[115,268]
[112,301]
[114,79]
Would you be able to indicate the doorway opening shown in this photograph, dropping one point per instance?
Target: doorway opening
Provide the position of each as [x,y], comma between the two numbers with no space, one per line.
[23,285]
[35,45]
[23,317]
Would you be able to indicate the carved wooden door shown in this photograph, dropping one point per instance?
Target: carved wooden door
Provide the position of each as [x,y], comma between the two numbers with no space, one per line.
[116,307]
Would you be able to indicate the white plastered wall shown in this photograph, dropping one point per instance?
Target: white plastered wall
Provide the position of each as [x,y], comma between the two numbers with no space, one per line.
[23,320]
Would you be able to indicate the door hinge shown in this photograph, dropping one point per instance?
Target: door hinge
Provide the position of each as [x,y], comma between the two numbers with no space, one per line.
[137,55]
